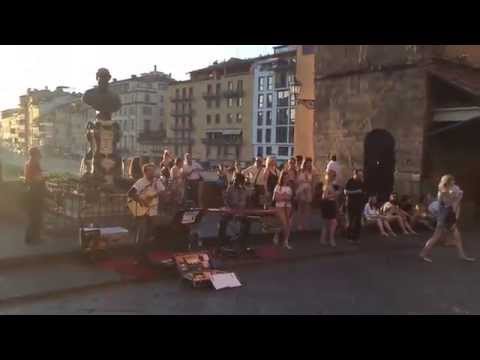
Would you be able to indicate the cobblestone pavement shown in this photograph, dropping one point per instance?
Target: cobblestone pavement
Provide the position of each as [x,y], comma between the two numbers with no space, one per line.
[367,282]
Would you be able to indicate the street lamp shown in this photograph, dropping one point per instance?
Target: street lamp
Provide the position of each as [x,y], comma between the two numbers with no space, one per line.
[295,88]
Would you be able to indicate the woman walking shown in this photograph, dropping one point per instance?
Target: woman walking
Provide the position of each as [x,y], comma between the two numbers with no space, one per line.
[304,192]
[329,210]
[282,196]
[270,176]
[449,198]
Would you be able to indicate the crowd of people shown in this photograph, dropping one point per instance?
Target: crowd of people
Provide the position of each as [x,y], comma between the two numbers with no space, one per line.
[289,192]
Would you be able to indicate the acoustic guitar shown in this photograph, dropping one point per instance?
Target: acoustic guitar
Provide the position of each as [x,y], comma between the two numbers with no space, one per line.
[150,197]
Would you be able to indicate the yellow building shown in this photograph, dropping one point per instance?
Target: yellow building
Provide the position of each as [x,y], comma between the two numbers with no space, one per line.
[304,122]
[9,127]
[210,115]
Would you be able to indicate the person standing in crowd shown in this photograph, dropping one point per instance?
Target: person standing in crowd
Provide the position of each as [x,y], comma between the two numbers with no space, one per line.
[191,170]
[298,162]
[333,165]
[236,201]
[329,210]
[222,180]
[166,164]
[372,215]
[145,191]
[177,181]
[270,178]
[292,173]
[391,210]
[35,181]
[449,199]
[254,176]
[355,195]
[282,196]
[304,192]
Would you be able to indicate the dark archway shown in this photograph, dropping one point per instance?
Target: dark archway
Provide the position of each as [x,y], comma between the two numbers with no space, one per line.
[379,163]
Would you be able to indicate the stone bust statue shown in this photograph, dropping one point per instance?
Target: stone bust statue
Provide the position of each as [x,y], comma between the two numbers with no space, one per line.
[101,98]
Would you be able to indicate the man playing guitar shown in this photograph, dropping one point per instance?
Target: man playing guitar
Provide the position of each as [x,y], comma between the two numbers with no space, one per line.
[143,203]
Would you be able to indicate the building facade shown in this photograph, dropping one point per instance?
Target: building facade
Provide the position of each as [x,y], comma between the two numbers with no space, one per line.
[71,120]
[9,128]
[142,117]
[210,114]
[273,125]
[38,109]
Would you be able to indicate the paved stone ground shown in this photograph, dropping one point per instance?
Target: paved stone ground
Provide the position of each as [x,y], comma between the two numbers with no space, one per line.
[384,277]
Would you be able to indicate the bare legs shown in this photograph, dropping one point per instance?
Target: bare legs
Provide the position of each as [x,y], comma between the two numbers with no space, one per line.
[406,229]
[303,214]
[383,225]
[457,238]
[436,237]
[329,228]
[284,215]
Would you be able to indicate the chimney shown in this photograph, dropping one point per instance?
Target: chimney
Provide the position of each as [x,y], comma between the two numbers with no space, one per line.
[134,76]
[155,68]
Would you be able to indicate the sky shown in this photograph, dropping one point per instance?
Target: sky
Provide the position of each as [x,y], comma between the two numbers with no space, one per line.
[37,66]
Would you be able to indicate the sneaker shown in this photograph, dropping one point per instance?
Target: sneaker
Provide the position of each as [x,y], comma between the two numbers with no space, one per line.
[287,246]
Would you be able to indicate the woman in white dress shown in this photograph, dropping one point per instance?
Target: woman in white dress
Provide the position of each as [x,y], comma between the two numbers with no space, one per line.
[282,196]
[449,198]
[304,192]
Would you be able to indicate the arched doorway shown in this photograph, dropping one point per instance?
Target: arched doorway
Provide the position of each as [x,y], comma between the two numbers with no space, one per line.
[379,163]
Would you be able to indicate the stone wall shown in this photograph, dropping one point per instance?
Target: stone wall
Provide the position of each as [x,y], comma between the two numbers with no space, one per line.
[332,59]
[352,106]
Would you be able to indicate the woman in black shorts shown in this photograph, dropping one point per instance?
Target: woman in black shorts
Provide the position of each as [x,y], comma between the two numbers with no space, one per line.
[329,209]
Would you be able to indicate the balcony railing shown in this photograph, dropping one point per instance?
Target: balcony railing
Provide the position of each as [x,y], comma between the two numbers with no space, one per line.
[186,112]
[222,141]
[211,95]
[151,136]
[186,127]
[179,141]
[233,93]
[176,99]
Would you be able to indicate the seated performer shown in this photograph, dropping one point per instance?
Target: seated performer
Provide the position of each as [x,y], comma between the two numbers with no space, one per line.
[235,199]
[145,192]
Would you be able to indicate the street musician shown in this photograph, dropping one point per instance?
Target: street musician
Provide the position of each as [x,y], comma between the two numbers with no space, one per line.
[235,199]
[143,203]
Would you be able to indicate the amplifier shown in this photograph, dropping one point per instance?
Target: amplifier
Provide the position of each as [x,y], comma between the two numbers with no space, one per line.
[103,238]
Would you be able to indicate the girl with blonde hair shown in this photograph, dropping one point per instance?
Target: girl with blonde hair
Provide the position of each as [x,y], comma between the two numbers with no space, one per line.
[449,198]
[282,195]
[329,209]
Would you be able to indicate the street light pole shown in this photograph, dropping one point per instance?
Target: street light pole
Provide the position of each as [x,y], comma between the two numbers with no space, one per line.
[295,90]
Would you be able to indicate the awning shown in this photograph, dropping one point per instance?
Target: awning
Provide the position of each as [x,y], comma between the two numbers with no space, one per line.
[232,132]
[456,114]
[453,126]
[460,76]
